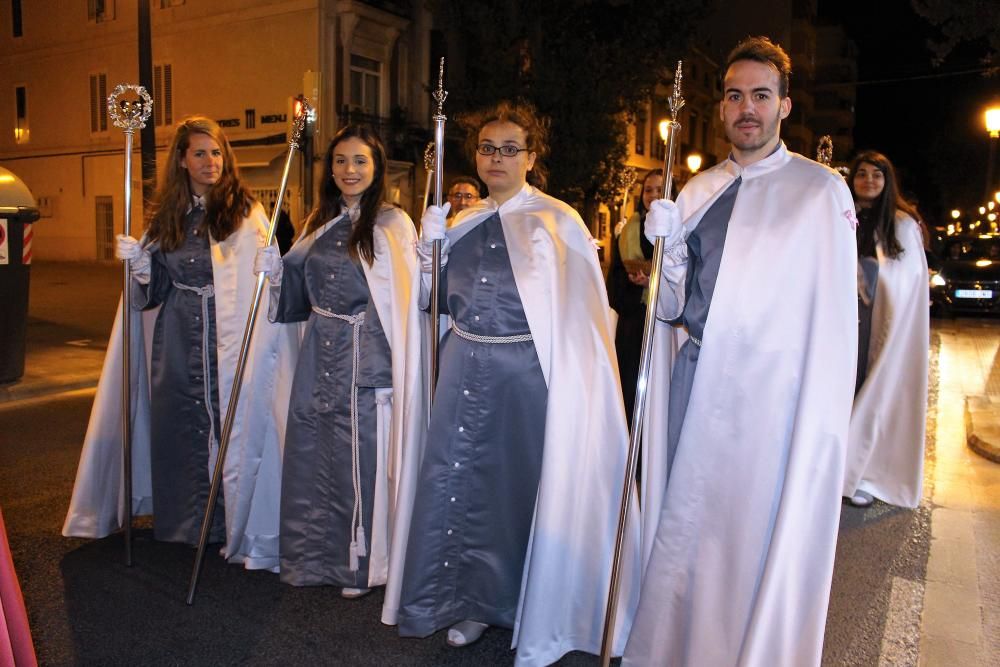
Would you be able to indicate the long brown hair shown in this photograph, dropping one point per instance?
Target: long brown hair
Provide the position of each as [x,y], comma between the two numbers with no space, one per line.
[878,221]
[226,203]
[331,204]
[524,115]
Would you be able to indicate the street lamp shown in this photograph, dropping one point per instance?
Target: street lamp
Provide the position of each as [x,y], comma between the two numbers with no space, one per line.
[694,162]
[992,117]
[955,214]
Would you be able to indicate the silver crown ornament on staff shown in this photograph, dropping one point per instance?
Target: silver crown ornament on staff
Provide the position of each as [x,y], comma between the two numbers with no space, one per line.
[824,150]
[129,106]
[439,95]
[306,115]
[676,103]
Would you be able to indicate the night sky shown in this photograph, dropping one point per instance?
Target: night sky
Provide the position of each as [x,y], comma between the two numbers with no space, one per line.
[931,128]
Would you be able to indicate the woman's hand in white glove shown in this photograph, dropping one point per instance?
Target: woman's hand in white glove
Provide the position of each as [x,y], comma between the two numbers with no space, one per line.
[268,260]
[664,221]
[128,249]
[432,226]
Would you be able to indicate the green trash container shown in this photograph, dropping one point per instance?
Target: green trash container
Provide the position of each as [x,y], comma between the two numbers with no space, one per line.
[17,212]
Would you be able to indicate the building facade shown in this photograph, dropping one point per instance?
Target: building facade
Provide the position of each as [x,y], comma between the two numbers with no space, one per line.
[240,62]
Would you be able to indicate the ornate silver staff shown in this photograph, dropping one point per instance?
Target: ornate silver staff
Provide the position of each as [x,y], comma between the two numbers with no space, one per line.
[129,115]
[439,96]
[429,168]
[638,412]
[305,115]
[626,179]
[824,150]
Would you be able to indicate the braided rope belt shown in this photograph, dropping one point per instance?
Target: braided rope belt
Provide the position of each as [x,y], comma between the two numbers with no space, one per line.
[358,542]
[493,340]
[696,341]
[206,293]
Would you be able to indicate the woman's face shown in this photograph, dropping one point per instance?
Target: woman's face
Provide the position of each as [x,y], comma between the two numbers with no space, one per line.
[504,176]
[203,162]
[353,168]
[652,189]
[869,182]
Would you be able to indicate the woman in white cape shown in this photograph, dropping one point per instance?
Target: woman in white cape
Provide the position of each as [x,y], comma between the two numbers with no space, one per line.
[886,441]
[194,281]
[357,397]
[515,498]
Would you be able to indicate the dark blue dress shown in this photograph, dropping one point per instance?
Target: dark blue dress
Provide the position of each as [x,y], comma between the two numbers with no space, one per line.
[184,392]
[319,517]
[479,477]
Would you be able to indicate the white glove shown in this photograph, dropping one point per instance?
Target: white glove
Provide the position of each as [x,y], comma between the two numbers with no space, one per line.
[127,248]
[434,222]
[268,260]
[664,220]
[432,226]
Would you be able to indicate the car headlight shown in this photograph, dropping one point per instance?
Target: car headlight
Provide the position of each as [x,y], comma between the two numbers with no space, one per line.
[937,280]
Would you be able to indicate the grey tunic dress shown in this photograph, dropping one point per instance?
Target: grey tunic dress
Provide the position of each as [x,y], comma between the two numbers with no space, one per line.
[705,246]
[319,517]
[184,392]
[479,476]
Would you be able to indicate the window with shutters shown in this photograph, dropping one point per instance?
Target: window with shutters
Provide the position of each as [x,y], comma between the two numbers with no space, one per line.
[21,115]
[98,103]
[99,11]
[366,76]
[15,16]
[104,217]
[163,94]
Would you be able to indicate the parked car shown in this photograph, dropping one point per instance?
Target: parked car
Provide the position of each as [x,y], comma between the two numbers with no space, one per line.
[965,277]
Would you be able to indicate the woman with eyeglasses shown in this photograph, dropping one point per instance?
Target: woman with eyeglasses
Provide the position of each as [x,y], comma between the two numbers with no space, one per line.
[192,273]
[357,394]
[886,439]
[515,498]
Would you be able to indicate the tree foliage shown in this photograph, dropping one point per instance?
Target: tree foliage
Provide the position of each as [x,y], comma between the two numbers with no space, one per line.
[962,21]
[586,64]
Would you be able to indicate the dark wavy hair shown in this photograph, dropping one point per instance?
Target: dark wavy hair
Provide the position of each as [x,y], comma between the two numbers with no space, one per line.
[878,222]
[524,115]
[763,50]
[331,204]
[227,202]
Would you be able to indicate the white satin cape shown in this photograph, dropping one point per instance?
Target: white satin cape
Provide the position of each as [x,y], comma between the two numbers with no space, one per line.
[567,569]
[393,281]
[885,454]
[250,486]
[741,564]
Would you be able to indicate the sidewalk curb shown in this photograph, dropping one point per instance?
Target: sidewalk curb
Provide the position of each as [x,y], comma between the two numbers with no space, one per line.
[17,391]
[982,439]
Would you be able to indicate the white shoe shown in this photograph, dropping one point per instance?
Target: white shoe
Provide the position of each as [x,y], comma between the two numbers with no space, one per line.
[465,633]
[354,593]
[862,499]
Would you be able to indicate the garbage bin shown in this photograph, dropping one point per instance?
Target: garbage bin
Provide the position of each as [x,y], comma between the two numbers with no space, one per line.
[17,212]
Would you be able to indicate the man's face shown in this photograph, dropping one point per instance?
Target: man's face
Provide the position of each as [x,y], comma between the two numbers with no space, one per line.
[462,196]
[752,109]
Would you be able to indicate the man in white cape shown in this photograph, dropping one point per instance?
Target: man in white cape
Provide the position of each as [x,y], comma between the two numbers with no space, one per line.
[252,472]
[757,412]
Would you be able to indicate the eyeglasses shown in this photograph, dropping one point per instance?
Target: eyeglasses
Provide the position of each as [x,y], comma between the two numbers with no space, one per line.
[507,150]
[463,195]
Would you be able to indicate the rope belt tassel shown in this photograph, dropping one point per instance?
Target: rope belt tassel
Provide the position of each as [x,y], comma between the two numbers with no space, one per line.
[206,293]
[358,547]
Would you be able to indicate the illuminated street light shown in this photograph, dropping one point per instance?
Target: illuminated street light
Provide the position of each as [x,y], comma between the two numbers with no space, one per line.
[694,162]
[992,118]
[665,130]
[982,210]
[990,205]
[955,214]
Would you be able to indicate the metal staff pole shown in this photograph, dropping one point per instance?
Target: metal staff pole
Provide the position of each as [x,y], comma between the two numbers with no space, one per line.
[638,412]
[129,115]
[305,115]
[429,168]
[439,118]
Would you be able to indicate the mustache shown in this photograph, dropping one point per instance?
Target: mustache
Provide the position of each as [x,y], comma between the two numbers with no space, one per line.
[747,119]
